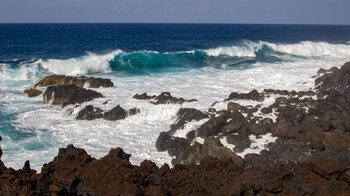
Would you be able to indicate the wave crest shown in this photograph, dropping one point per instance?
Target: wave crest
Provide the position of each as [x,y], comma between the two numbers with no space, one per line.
[146,62]
[91,63]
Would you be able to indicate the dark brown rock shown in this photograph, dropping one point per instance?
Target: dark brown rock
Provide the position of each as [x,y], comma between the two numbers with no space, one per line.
[163,98]
[56,80]
[252,95]
[89,113]
[117,113]
[185,115]
[68,94]
[32,92]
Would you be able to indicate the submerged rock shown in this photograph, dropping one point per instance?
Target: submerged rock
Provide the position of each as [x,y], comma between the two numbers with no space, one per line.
[68,94]
[32,92]
[90,82]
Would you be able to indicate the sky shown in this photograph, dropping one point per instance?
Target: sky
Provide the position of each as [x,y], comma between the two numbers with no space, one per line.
[176,11]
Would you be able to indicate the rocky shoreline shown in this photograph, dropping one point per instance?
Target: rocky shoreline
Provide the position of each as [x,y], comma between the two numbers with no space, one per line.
[305,137]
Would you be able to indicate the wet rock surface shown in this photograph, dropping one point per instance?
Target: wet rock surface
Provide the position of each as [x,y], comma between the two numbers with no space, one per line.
[117,113]
[185,115]
[57,80]
[163,98]
[310,154]
[307,124]
[68,94]
[32,92]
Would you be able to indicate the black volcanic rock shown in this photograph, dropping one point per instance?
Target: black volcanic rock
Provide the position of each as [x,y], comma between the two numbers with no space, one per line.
[185,115]
[68,94]
[144,96]
[252,95]
[90,113]
[117,113]
[163,98]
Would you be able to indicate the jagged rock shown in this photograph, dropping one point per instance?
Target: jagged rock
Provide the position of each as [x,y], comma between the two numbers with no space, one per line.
[241,143]
[117,113]
[185,115]
[32,92]
[213,126]
[90,113]
[232,106]
[57,80]
[252,95]
[74,172]
[211,147]
[68,94]
[174,145]
[163,98]
[144,96]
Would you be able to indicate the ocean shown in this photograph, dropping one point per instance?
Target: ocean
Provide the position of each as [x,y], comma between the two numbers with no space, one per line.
[194,61]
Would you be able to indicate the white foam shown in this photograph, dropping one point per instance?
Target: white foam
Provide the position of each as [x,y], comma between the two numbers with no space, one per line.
[224,142]
[247,49]
[312,49]
[25,72]
[137,134]
[189,126]
[305,49]
[91,63]
[258,144]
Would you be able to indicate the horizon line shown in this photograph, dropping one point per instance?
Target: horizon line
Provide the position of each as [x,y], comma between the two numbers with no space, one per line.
[212,23]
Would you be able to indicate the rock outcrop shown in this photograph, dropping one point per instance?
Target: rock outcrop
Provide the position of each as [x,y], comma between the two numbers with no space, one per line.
[163,98]
[303,124]
[57,80]
[32,92]
[74,172]
[117,113]
[68,94]
[185,115]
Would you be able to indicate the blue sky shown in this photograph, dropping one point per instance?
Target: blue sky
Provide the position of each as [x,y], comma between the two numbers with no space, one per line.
[178,11]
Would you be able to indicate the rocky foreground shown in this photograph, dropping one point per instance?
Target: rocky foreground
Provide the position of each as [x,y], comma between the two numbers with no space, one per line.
[309,156]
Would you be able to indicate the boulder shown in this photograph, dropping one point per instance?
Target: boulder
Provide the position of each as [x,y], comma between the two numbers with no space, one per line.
[32,92]
[90,113]
[68,94]
[117,113]
[252,95]
[91,82]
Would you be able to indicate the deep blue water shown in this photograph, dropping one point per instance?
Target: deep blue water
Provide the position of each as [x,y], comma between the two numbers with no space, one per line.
[61,41]
[148,48]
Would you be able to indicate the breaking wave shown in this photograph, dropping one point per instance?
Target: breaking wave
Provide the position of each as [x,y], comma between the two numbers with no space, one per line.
[146,62]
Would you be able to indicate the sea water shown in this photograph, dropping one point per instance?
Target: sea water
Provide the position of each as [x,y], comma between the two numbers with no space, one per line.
[194,61]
